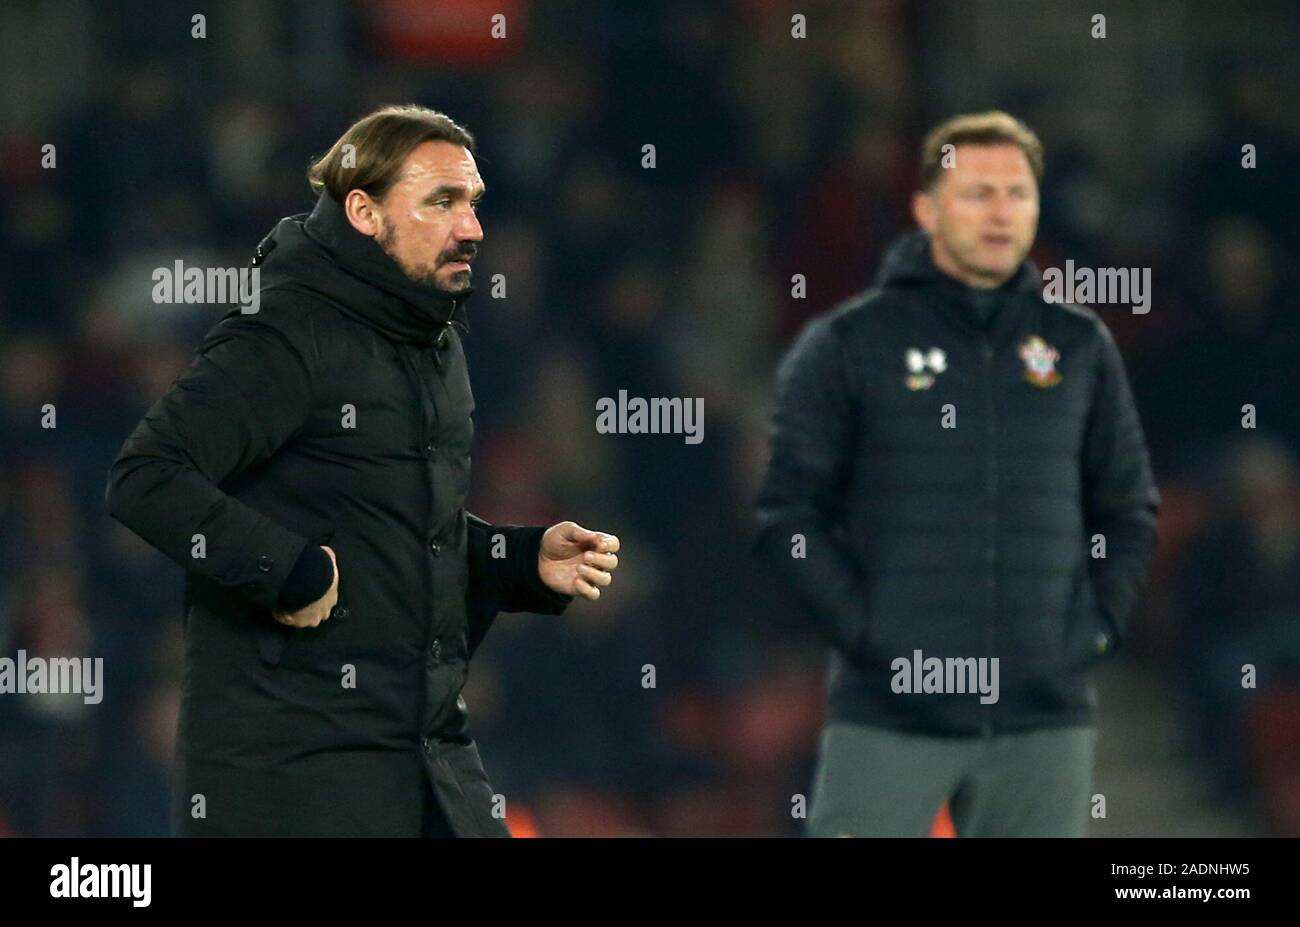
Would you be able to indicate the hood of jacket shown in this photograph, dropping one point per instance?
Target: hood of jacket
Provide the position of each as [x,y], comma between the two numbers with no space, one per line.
[322,252]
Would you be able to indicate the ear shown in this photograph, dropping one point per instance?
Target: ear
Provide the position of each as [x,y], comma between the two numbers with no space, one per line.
[923,210]
[363,212]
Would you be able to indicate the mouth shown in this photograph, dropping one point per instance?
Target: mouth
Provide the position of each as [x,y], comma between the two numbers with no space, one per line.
[995,240]
[457,266]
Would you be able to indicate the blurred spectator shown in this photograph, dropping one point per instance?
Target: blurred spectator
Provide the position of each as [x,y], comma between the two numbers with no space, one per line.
[1241,606]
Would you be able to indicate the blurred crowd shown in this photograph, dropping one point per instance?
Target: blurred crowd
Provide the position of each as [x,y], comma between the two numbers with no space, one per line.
[689,700]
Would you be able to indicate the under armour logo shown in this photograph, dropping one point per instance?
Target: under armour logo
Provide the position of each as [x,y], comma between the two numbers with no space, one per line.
[923,365]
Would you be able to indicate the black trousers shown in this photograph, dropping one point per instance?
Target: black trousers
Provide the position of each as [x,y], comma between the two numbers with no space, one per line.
[434,822]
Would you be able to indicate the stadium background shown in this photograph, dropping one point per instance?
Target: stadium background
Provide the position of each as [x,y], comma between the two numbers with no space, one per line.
[775,156]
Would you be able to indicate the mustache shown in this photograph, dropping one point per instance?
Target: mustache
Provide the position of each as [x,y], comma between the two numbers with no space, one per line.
[467,251]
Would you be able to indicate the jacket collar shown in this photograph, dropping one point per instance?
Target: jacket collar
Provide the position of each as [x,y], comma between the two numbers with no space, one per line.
[908,265]
[325,253]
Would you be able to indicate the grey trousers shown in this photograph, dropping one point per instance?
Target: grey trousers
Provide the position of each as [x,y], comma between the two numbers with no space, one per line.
[873,782]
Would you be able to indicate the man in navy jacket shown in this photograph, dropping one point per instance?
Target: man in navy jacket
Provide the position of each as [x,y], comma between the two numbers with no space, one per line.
[959,490]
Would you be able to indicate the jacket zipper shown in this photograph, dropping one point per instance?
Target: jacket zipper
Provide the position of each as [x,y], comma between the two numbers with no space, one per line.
[435,347]
[425,393]
[986,347]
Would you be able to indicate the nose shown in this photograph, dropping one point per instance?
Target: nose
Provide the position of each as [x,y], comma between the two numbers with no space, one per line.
[468,227]
[1000,210]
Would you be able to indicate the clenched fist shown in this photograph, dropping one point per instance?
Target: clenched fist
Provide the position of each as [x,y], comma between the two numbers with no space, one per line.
[575,561]
[309,616]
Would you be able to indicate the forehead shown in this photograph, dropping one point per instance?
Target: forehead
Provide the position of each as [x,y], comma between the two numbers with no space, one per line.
[993,163]
[434,164]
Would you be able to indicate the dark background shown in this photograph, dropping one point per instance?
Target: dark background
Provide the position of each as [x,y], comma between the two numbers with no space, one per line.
[775,156]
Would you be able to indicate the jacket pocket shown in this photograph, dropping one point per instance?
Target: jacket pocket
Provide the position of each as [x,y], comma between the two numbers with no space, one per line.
[272,638]
[1089,636]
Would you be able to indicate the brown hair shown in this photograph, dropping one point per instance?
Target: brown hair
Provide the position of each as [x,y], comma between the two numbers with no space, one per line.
[380,143]
[991,128]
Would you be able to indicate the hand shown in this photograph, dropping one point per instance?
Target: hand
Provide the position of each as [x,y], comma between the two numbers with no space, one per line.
[309,616]
[575,561]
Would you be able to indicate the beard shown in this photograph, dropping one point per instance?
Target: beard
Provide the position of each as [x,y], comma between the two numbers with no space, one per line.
[427,274]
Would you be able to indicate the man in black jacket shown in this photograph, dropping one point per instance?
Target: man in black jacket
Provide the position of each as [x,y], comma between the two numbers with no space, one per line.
[960,492]
[310,473]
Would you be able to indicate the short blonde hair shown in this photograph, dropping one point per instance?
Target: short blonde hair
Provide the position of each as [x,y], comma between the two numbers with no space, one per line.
[991,128]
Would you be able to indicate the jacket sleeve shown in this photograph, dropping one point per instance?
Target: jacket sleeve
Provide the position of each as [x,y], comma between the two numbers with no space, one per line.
[503,575]
[811,456]
[1120,499]
[246,393]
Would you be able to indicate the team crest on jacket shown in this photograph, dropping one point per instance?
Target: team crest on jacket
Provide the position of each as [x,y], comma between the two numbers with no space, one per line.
[1040,361]
[922,366]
